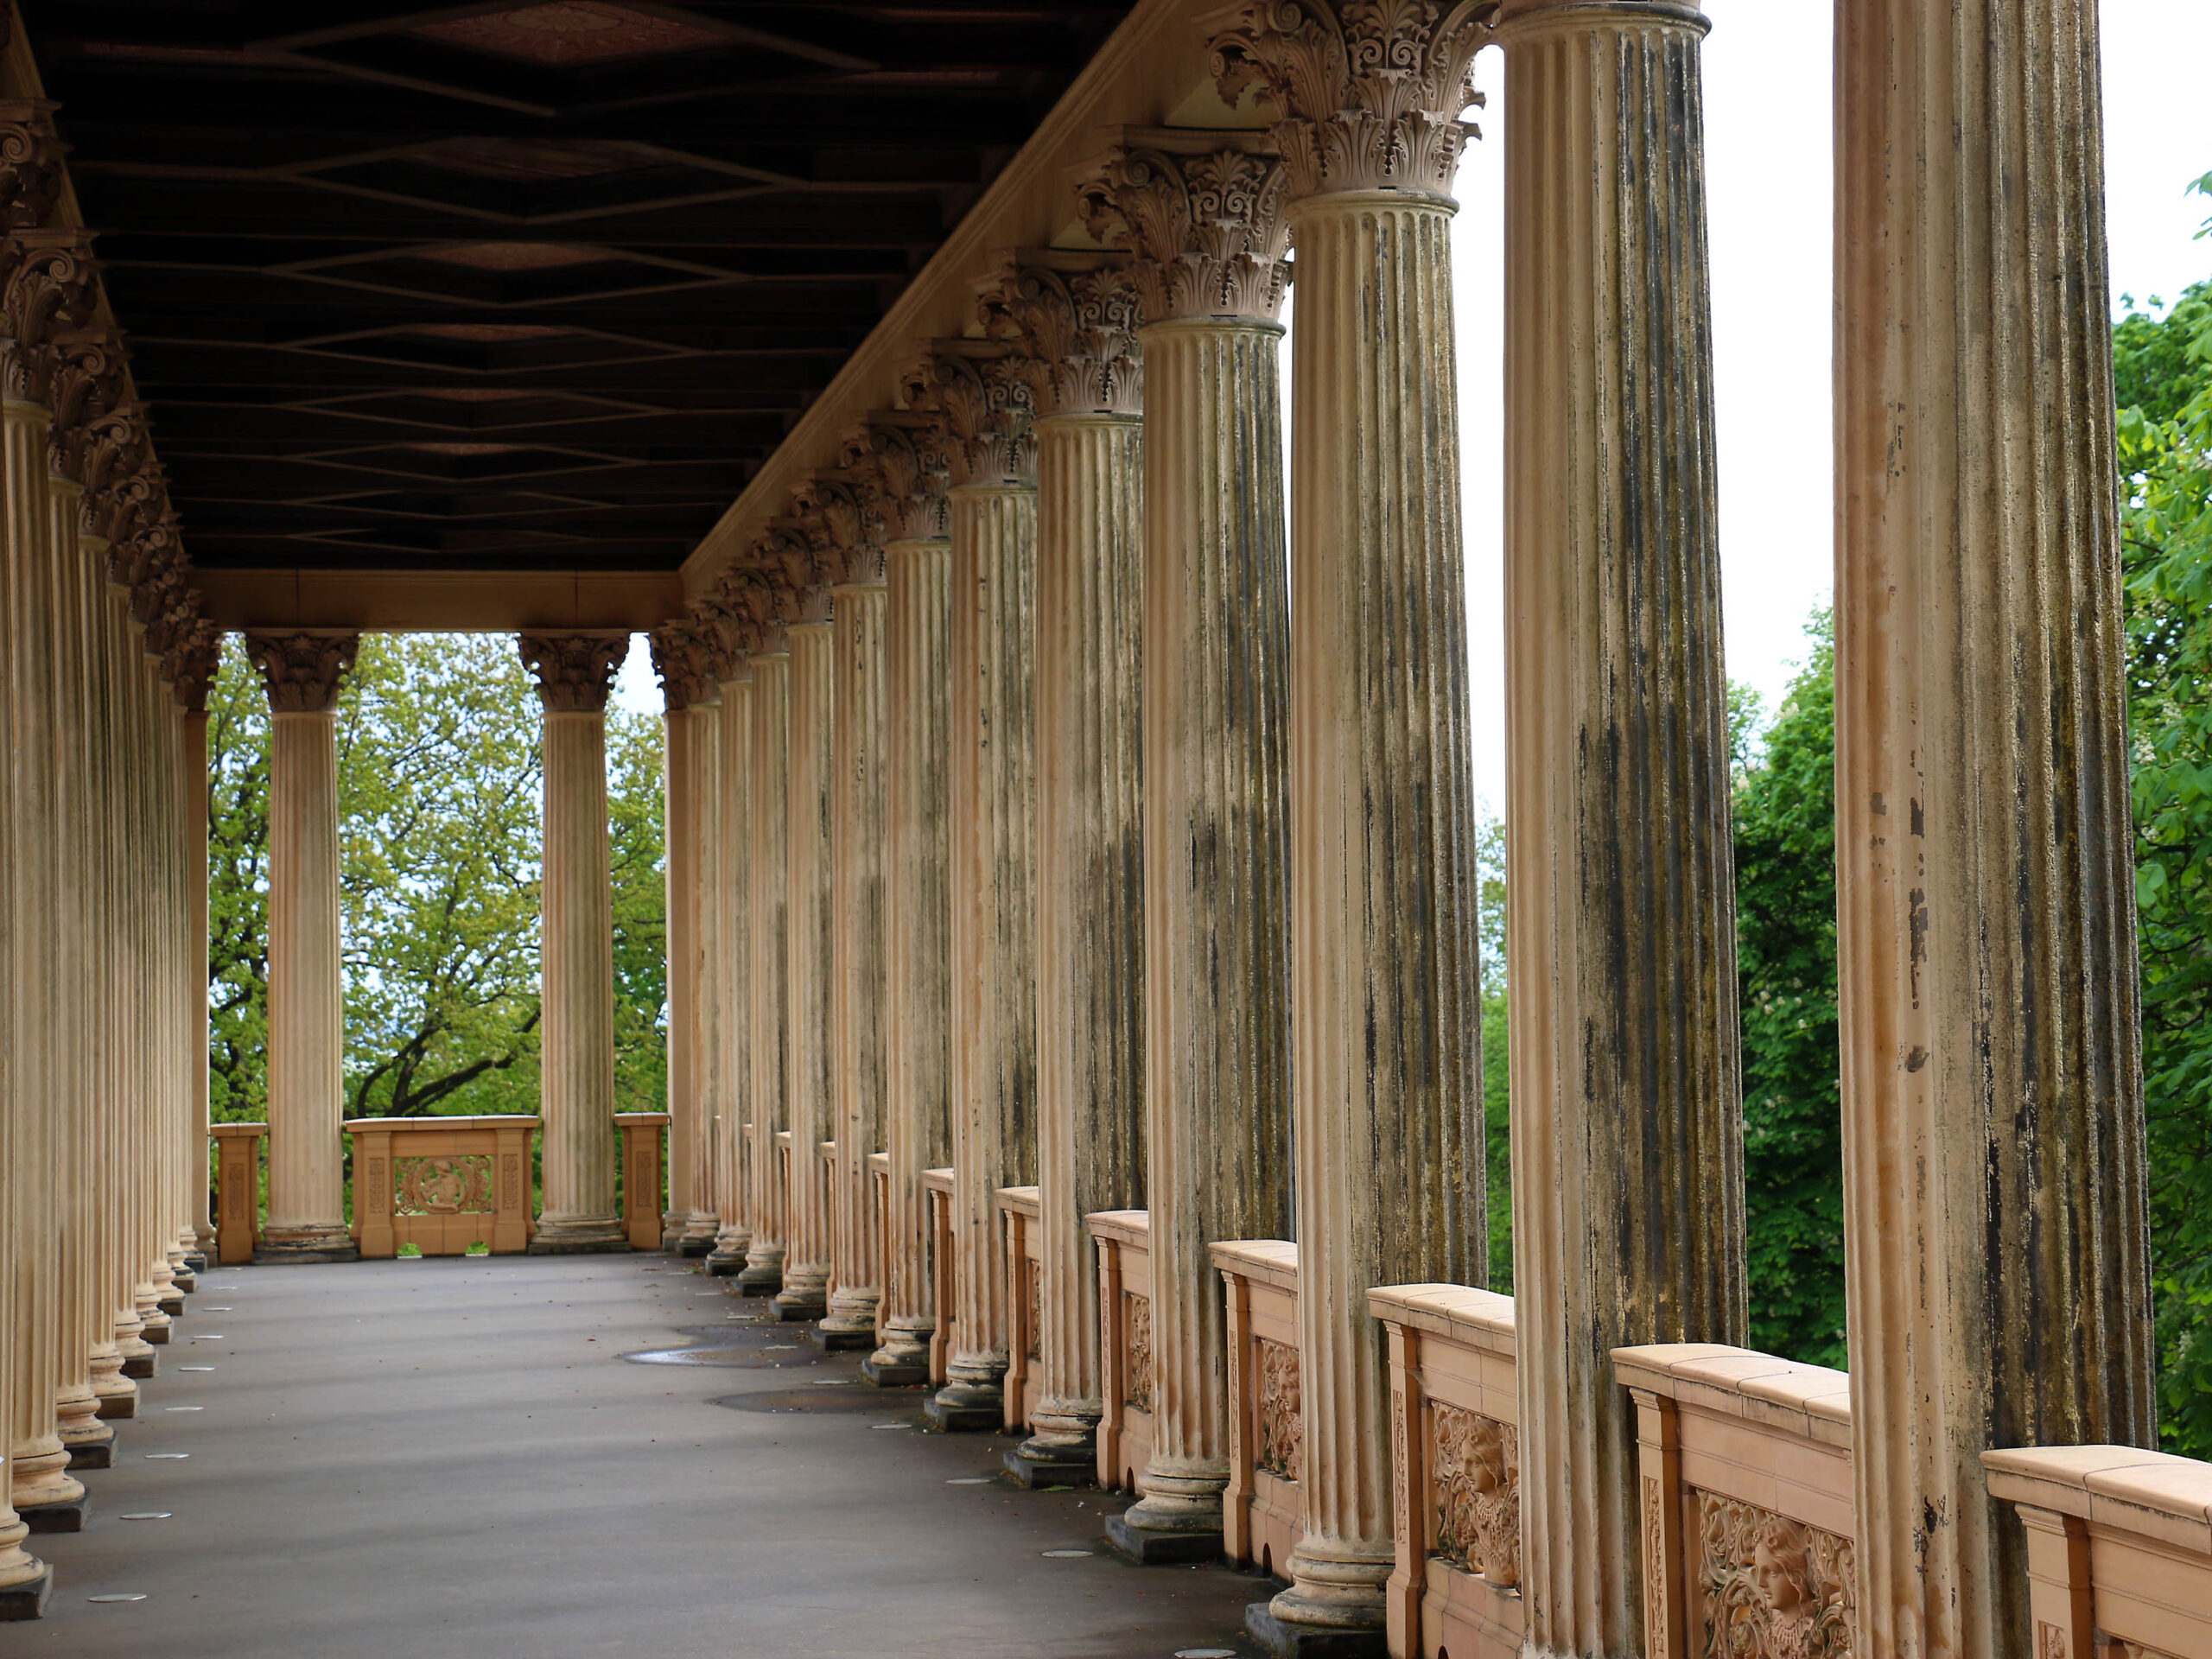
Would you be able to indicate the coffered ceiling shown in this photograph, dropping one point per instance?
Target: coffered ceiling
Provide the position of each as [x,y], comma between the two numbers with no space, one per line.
[495,287]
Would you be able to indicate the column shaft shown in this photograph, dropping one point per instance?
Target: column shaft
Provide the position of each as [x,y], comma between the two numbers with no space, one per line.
[1627,1125]
[733,976]
[702,791]
[1992,1110]
[1090,941]
[195,1188]
[1384,1012]
[1218,1057]
[768,888]
[994,1008]
[578,992]
[807,1045]
[858,995]
[680,818]
[917,933]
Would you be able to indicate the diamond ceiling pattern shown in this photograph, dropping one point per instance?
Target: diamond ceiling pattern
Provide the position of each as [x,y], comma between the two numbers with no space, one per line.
[516,286]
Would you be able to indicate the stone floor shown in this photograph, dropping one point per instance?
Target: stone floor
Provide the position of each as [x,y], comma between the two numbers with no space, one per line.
[404,1458]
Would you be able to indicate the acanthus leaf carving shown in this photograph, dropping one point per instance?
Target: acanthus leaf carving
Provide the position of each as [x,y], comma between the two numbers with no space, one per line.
[1201,214]
[191,663]
[681,662]
[850,533]
[575,671]
[302,670]
[977,396]
[1075,317]
[86,385]
[1371,91]
[899,471]
[30,161]
[49,294]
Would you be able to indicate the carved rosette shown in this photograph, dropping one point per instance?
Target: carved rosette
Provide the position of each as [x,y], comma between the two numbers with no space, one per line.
[1282,1416]
[1201,214]
[1075,317]
[1478,1476]
[1371,91]
[683,665]
[575,671]
[899,470]
[1774,1588]
[1137,1388]
[302,670]
[978,399]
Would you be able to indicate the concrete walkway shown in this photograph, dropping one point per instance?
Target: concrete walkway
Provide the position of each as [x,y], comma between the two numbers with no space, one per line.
[413,1458]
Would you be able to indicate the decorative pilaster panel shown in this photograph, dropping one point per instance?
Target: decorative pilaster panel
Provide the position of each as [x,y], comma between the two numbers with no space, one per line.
[807,1058]
[575,674]
[768,901]
[1628,1138]
[1992,1109]
[993,884]
[1090,899]
[858,997]
[1385,1015]
[918,939]
[307,1183]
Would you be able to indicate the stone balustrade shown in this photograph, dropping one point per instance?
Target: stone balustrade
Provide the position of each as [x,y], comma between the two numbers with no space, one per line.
[442,1184]
[237,1190]
[1122,1242]
[1263,1512]
[2119,1549]
[1021,1218]
[937,1200]
[1744,1468]
[1456,1469]
[645,1176]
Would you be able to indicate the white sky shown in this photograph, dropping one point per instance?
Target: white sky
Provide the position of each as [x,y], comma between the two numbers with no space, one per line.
[1768,169]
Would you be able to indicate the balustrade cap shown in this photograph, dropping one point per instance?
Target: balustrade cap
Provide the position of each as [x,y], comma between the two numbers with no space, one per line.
[1022,1199]
[938,1180]
[880,1160]
[1272,1259]
[632,1120]
[1126,1226]
[237,1131]
[1813,1400]
[2152,1493]
[428,1125]
[826,1149]
[784,1138]
[1481,1318]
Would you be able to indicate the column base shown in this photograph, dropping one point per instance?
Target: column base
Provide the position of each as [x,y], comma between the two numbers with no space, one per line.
[1285,1640]
[725,1264]
[186,1277]
[27,1598]
[157,1334]
[619,1244]
[960,1408]
[301,1244]
[1141,1546]
[93,1454]
[197,1260]
[118,1407]
[67,1515]
[172,1305]
[139,1367]
[1031,1466]
[895,1373]
[760,1281]
[830,1340]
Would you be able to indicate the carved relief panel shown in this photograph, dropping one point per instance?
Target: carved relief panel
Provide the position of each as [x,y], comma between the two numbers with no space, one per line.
[1282,1421]
[1771,1587]
[1137,1319]
[1477,1484]
[460,1185]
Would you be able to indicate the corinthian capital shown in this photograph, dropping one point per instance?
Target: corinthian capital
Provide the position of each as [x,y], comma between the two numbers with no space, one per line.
[1075,317]
[302,670]
[899,470]
[48,293]
[575,671]
[977,396]
[841,526]
[1202,214]
[684,663]
[190,662]
[30,161]
[1370,90]
[85,385]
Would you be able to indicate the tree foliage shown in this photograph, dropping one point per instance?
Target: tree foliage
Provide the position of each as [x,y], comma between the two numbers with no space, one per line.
[439,776]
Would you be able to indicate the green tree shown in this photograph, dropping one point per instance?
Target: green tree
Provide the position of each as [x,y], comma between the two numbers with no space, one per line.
[237,891]
[634,800]
[2163,365]
[1785,963]
[1497,1118]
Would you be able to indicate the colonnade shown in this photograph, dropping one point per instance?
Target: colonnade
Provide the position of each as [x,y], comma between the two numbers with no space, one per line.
[1176,833]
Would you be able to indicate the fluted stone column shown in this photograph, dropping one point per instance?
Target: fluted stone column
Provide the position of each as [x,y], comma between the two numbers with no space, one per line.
[805,1292]
[1075,316]
[1992,1109]
[732,926]
[1385,1009]
[1627,1125]
[903,483]
[702,794]
[680,659]
[1203,213]
[857,996]
[196,1190]
[307,1036]
[980,397]
[575,674]
[768,888]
